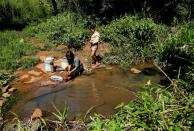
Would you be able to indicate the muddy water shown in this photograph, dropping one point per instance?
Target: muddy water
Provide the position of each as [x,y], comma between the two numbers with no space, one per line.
[103,90]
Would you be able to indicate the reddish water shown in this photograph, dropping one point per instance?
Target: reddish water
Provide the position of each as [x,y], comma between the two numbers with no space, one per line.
[103,90]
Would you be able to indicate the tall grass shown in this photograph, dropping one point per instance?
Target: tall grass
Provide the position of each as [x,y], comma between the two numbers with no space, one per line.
[138,40]
[133,39]
[13,49]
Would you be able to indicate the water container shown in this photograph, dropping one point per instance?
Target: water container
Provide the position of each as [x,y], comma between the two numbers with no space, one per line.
[49,64]
[64,63]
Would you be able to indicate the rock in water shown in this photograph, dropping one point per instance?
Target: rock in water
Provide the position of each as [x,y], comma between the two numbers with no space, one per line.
[12,89]
[5,88]
[135,71]
[37,113]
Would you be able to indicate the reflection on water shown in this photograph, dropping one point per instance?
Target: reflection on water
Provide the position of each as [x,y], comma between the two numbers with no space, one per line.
[103,90]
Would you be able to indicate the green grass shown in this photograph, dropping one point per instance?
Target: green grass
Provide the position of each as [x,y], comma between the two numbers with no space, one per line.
[13,49]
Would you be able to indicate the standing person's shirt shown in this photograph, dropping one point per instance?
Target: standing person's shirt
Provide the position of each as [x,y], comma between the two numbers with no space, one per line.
[95,38]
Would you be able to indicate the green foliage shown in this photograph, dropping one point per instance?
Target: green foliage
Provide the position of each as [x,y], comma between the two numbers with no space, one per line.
[13,48]
[23,11]
[137,40]
[28,61]
[179,42]
[66,28]
[61,116]
[133,39]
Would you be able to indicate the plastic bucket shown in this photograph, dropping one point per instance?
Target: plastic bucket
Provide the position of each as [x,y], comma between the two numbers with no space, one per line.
[48,63]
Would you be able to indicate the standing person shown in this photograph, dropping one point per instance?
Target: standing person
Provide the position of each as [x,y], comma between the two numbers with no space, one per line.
[94,41]
[75,67]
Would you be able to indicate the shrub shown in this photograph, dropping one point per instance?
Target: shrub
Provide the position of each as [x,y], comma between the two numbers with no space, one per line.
[178,43]
[133,39]
[67,28]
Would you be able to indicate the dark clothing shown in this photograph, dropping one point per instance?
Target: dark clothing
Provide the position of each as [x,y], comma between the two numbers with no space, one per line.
[77,63]
[77,72]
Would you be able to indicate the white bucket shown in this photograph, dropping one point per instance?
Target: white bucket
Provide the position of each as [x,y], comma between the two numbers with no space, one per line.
[49,64]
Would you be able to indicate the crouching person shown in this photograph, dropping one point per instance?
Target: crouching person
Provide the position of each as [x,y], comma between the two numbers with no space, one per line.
[75,67]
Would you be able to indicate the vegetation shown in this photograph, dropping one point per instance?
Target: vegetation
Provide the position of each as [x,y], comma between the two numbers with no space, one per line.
[67,28]
[133,39]
[17,14]
[155,109]
[136,40]
[5,77]
[13,50]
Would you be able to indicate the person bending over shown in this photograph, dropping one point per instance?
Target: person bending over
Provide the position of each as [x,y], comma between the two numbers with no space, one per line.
[75,67]
[94,41]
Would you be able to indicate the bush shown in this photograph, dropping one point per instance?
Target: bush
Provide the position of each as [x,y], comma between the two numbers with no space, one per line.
[178,43]
[133,39]
[67,28]
[137,40]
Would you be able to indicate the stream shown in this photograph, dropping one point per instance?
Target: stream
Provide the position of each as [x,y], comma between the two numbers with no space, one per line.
[103,89]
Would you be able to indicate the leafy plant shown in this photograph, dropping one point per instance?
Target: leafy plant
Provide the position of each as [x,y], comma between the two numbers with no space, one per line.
[61,116]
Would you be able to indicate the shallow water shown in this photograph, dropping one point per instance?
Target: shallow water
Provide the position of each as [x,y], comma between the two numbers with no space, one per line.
[103,90]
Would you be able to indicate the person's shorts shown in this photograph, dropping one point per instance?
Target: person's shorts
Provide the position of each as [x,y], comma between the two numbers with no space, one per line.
[94,48]
[77,72]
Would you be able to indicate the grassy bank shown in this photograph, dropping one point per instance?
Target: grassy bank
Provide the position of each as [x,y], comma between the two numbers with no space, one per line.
[14,50]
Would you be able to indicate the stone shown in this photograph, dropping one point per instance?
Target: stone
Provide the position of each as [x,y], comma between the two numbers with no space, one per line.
[2,102]
[25,76]
[5,89]
[37,113]
[35,73]
[135,71]
[6,95]
[12,90]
